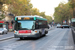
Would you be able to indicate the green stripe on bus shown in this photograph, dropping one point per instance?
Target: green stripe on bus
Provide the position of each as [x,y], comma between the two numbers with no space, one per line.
[15,18]
[41,18]
[34,18]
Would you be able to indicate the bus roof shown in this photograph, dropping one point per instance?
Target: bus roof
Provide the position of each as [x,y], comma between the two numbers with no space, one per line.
[30,16]
[38,17]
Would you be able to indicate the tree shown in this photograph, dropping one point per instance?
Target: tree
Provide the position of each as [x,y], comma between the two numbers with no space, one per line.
[49,18]
[42,14]
[35,11]
[62,12]
[19,7]
[2,12]
[23,7]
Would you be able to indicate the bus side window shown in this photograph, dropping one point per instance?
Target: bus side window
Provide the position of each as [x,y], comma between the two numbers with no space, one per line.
[47,26]
[41,24]
[36,25]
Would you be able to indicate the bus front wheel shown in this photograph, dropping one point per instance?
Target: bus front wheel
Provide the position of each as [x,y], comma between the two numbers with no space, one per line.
[21,38]
[39,35]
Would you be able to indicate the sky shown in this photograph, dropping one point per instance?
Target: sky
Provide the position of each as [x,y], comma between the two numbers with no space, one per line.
[46,6]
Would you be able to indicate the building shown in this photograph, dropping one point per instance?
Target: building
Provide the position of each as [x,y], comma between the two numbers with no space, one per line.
[9,20]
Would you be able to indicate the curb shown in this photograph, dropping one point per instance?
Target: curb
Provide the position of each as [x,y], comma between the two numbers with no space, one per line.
[6,38]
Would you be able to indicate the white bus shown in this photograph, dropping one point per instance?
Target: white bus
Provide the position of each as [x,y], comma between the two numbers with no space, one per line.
[30,26]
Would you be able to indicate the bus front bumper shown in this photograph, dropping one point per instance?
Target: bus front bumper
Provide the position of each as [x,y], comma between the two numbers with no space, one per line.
[18,36]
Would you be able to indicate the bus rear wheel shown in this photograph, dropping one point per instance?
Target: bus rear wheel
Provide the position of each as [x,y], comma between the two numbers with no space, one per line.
[46,32]
[44,35]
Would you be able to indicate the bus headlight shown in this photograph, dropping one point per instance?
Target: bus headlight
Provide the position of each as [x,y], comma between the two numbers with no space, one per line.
[15,32]
[35,31]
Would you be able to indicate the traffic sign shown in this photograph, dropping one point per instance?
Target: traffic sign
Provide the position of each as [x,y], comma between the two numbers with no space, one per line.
[64,21]
[73,19]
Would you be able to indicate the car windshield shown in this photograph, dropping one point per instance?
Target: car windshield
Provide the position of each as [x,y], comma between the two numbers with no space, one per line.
[1,29]
[26,25]
[58,25]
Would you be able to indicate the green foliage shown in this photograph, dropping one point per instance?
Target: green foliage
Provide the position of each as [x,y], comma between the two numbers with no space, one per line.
[49,18]
[42,14]
[35,11]
[2,16]
[18,7]
[72,3]
[62,12]
[23,7]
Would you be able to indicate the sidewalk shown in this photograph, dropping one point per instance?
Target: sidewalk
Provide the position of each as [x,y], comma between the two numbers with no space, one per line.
[71,41]
[7,36]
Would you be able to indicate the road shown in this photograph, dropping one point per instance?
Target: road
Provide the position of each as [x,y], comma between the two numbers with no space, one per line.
[6,36]
[56,39]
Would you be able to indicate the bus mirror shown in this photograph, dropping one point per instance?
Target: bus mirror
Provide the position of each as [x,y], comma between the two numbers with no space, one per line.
[36,23]
[15,21]
[37,26]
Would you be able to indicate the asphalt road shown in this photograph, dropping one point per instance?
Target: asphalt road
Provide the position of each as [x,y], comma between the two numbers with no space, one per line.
[6,36]
[56,39]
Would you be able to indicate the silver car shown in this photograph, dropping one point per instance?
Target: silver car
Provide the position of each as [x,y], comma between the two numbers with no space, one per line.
[3,31]
[58,26]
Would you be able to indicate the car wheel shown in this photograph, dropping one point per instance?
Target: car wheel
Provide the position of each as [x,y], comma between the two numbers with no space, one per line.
[6,32]
[21,38]
[2,33]
[62,27]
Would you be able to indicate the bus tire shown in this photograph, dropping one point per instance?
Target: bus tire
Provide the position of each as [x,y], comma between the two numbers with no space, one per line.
[46,32]
[40,34]
[2,33]
[44,35]
[21,38]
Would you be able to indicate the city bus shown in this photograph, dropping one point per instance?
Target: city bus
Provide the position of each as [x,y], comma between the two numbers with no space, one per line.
[30,26]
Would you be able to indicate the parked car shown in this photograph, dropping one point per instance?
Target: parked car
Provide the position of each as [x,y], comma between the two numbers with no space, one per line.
[58,25]
[65,26]
[3,31]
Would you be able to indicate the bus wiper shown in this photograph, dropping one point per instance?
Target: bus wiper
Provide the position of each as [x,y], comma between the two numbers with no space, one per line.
[23,28]
[26,28]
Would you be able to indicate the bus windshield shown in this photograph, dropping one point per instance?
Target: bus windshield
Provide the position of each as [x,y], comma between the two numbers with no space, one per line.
[26,25]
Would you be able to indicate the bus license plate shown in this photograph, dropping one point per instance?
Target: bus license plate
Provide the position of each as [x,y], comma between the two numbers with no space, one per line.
[24,31]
